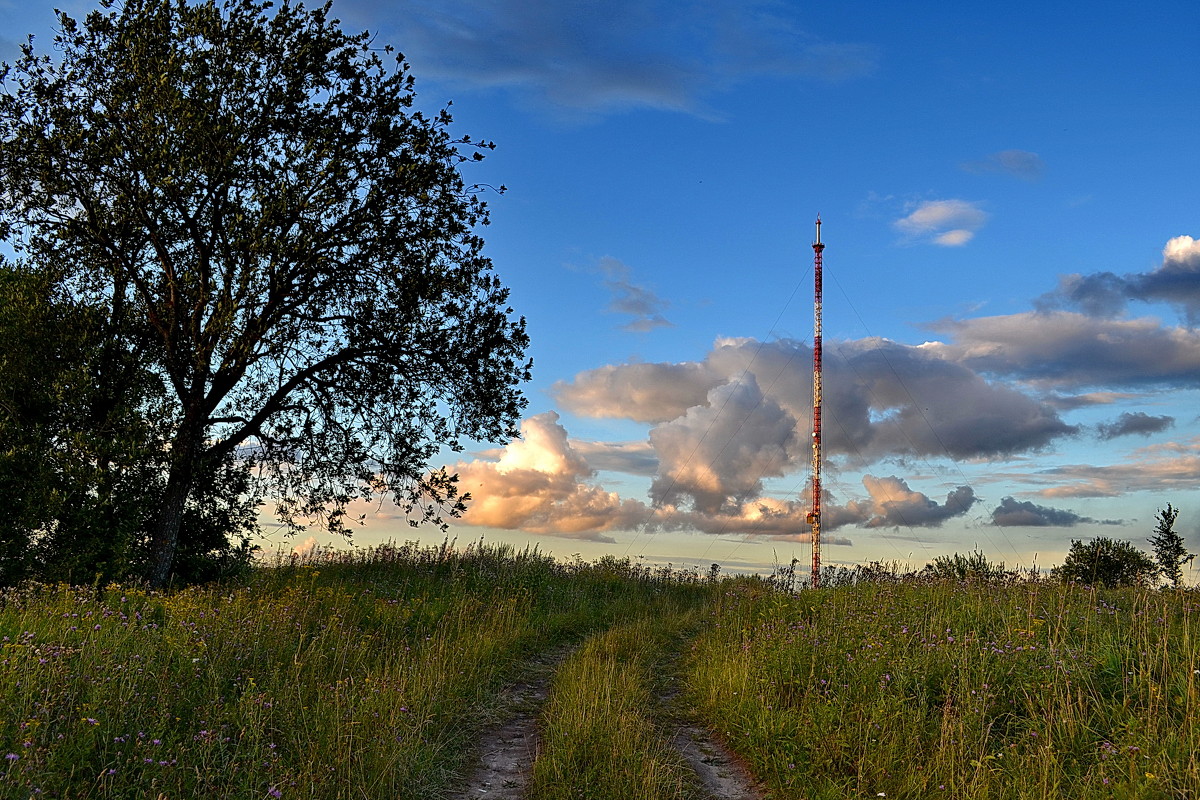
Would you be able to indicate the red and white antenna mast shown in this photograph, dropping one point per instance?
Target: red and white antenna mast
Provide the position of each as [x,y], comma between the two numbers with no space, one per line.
[814,515]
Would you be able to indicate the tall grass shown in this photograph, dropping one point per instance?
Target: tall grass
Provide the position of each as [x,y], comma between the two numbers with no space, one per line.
[362,675]
[956,690]
[600,736]
[370,675]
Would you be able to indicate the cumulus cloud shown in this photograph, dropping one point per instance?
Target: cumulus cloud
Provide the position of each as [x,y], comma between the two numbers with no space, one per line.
[1175,281]
[628,298]
[709,466]
[719,452]
[631,458]
[893,504]
[1014,514]
[1134,423]
[1017,163]
[1062,349]
[765,517]
[624,54]
[649,393]
[719,429]
[541,484]
[950,223]
[883,400]
[923,404]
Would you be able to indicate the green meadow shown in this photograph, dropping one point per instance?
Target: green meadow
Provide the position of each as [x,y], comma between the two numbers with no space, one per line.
[372,675]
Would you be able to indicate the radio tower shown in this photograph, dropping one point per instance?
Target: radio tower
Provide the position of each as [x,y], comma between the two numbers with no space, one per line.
[814,516]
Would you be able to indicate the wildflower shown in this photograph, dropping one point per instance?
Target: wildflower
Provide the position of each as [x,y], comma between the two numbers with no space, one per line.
[12,756]
[274,792]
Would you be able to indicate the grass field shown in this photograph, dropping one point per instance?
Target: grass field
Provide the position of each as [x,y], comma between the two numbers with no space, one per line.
[932,690]
[371,675]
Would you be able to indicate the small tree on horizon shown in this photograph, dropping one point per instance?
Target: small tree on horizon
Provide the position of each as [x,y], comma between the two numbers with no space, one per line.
[1106,562]
[1169,549]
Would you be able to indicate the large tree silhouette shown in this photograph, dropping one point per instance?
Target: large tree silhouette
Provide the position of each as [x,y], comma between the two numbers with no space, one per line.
[252,186]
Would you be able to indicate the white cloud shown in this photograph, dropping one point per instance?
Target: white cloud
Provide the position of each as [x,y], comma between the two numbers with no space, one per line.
[950,223]
[954,238]
[1182,251]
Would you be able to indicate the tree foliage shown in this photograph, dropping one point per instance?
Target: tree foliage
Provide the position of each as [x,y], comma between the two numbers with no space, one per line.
[1105,562]
[290,245]
[81,453]
[1170,551]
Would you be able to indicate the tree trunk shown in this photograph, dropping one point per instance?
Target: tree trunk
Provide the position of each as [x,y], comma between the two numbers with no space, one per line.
[164,539]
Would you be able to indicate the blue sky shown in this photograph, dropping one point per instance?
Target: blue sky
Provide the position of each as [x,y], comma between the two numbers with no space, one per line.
[1012,277]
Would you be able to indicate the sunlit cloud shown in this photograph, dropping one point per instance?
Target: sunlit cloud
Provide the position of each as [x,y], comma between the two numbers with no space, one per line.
[893,504]
[721,450]
[307,547]
[540,484]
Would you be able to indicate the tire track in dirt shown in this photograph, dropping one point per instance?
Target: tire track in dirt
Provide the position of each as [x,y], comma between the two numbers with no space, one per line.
[504,762]
[505,754]
[722,775]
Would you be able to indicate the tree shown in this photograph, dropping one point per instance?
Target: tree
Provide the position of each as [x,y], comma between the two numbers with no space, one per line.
[81,454]
[250,187]
[1169,549]
[1105,562]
